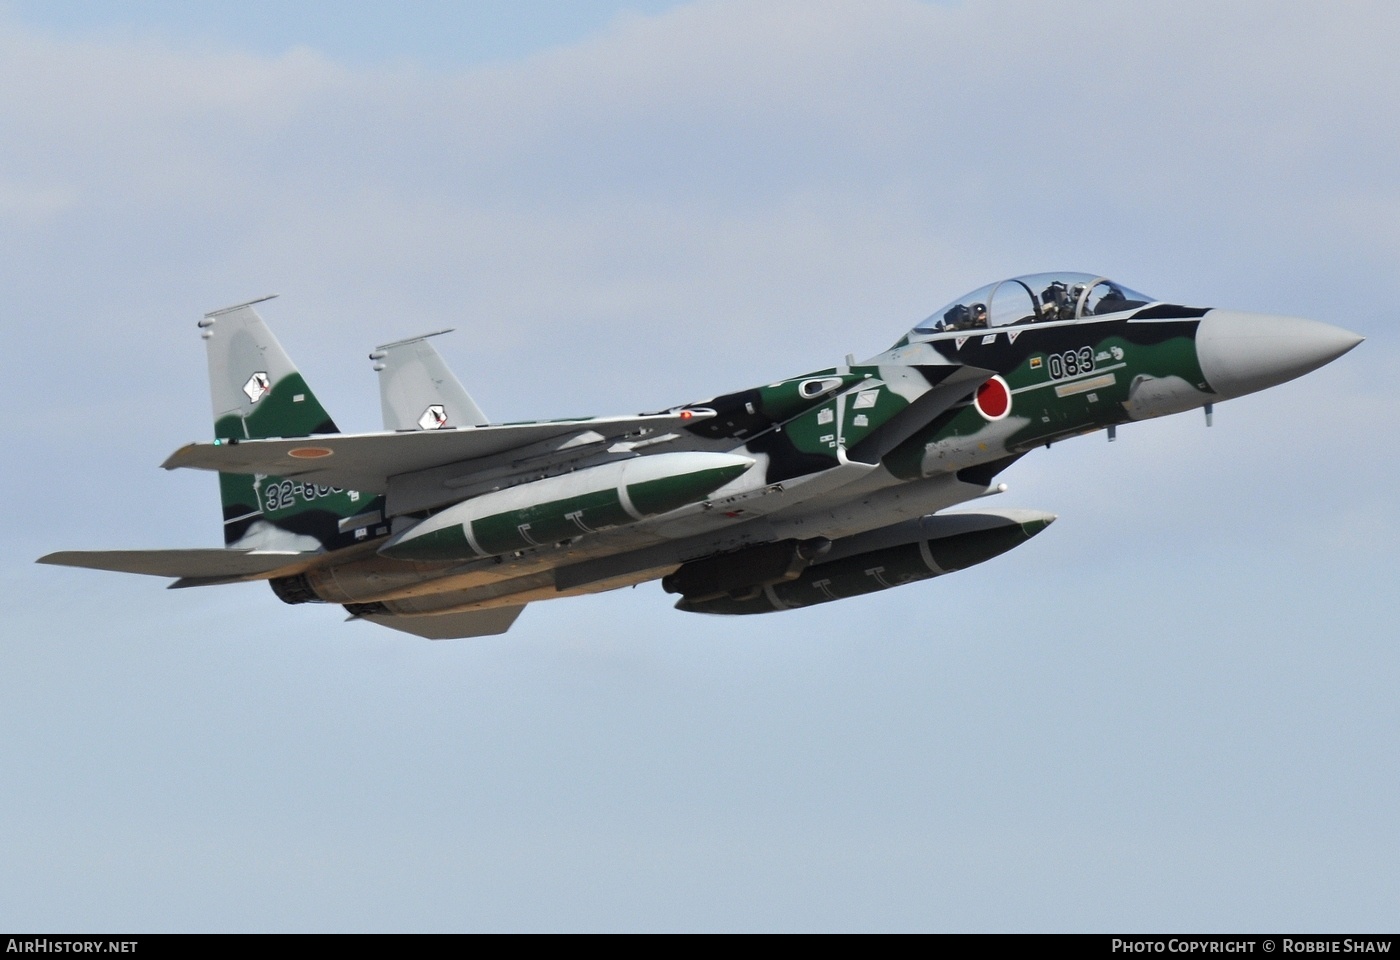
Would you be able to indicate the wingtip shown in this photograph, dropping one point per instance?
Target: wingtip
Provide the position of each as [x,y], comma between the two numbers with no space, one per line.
[176,460]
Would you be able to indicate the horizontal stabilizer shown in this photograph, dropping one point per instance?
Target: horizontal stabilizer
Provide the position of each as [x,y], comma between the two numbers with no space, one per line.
[452,626]
[199,564]
[366,461]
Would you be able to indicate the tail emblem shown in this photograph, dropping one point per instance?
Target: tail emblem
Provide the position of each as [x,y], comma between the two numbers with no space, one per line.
[433,418]
[257,386]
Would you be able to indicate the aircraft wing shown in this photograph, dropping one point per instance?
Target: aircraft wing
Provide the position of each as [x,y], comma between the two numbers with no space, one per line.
[195,564]
[366,461]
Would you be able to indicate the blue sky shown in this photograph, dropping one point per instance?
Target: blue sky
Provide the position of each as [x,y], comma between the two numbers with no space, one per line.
[1172,710]
[433,33]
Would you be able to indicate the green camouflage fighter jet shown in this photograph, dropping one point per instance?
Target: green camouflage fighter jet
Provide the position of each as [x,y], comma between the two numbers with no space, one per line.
[810,489]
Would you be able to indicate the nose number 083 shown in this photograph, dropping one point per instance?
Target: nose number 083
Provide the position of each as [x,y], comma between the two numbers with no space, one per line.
[1071,363]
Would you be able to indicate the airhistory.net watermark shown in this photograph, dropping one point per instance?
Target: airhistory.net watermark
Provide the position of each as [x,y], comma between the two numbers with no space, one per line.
[45,945]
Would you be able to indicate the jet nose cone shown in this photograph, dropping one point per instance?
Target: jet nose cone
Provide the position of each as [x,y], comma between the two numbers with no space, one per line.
[1244,352]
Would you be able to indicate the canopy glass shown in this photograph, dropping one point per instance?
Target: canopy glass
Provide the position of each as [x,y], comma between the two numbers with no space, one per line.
[1036,297]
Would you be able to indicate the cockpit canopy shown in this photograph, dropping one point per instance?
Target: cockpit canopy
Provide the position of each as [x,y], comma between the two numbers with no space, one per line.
[1037,297]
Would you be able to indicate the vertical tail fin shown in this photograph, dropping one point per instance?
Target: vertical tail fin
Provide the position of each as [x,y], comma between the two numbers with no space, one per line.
[417,391]
[258,392]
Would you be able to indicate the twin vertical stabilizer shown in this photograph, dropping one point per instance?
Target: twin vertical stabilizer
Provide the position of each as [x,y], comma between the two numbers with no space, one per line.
[256,389]
[417,391]
[257,392]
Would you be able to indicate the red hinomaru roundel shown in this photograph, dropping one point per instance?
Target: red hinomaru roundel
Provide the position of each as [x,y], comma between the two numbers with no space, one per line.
[993,399]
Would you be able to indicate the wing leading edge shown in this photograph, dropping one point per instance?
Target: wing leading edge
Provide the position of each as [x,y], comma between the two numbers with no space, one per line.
[366,461]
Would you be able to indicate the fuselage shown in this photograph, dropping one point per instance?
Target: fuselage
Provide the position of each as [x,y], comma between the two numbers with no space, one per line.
[803,491]
[847,450]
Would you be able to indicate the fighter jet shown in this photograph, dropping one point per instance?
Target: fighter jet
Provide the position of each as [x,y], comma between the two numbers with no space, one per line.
[806,490]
